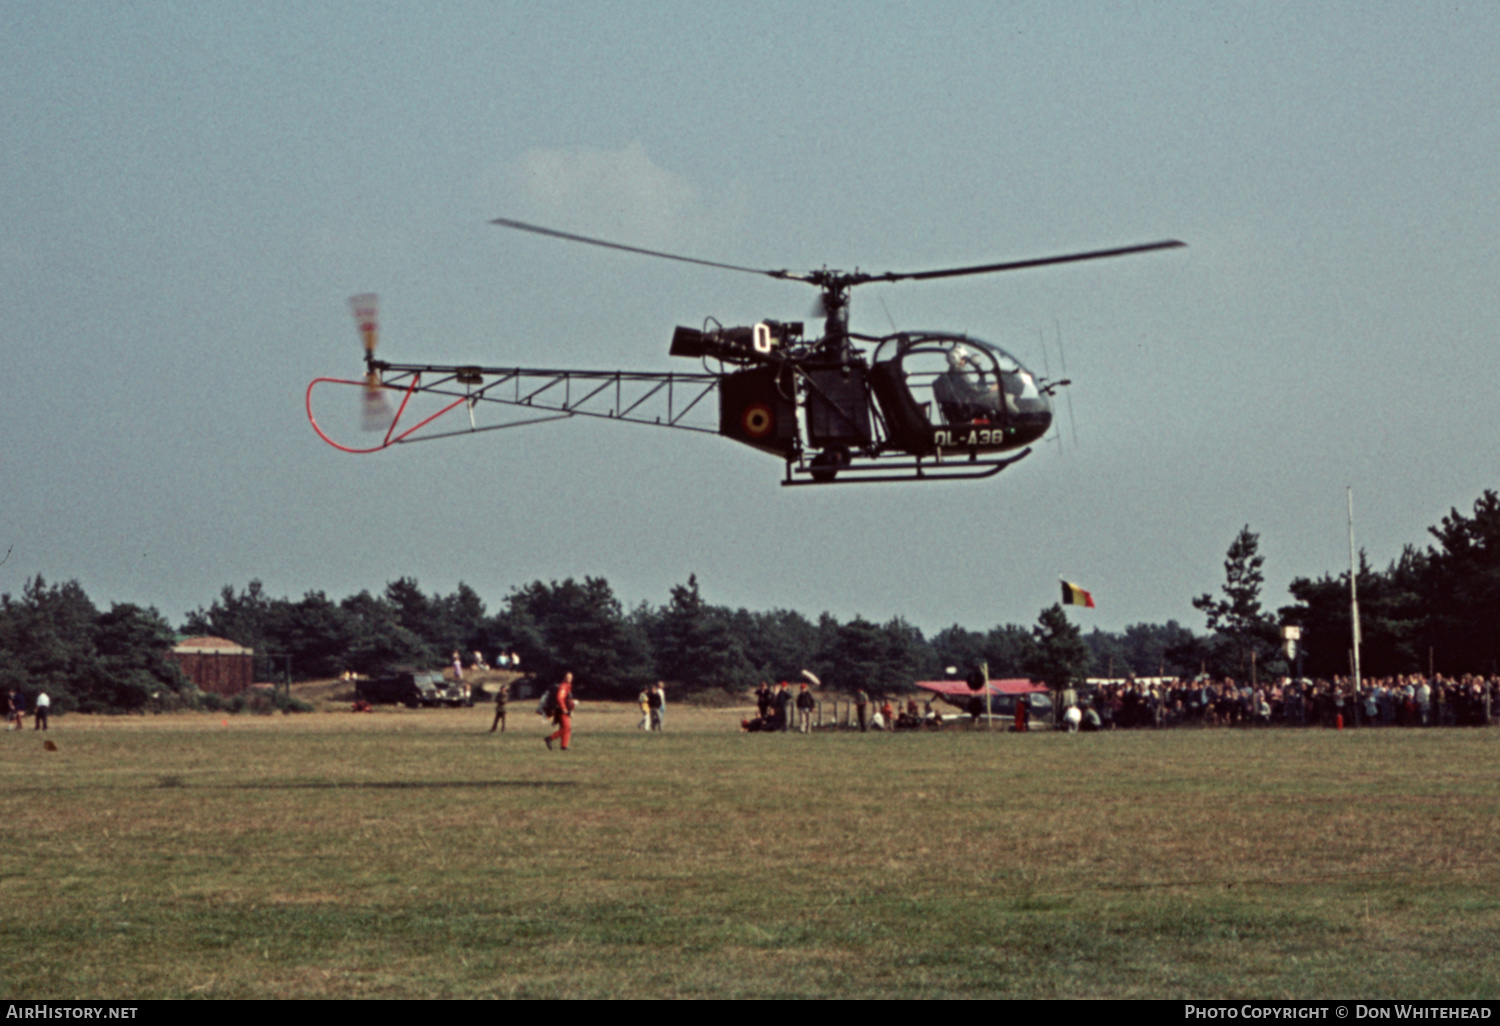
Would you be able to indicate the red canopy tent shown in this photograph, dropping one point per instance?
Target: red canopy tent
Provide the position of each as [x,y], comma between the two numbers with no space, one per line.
[958,692]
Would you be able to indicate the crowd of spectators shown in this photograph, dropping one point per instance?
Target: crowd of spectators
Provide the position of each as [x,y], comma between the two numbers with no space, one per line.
[773,707]
[1404,701]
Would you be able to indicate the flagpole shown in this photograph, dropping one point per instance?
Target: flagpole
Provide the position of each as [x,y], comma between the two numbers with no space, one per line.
[1353,597]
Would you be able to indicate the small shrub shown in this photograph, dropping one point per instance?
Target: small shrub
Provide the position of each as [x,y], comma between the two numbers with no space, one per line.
[290,704]
[265,701]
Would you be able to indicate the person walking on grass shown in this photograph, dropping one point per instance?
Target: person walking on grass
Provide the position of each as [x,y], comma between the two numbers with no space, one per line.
[502,697]
[562,713]
[656,701]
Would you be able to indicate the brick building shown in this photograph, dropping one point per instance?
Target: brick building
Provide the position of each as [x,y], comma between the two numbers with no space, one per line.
[215,664]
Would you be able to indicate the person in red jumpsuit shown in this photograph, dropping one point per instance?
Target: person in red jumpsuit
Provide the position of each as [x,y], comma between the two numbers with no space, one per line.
[563,714]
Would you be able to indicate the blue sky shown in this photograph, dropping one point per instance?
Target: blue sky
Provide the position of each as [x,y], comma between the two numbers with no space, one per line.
[191,191]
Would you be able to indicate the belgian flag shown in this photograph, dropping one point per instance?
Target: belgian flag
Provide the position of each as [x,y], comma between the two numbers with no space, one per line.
[1073,595]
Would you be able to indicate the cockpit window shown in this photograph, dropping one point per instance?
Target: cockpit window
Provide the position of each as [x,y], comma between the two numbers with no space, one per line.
[1021,393]
[963,381]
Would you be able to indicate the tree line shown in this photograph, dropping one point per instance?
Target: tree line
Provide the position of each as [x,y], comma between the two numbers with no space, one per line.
[54,639]
[1432,610]
[1439,605]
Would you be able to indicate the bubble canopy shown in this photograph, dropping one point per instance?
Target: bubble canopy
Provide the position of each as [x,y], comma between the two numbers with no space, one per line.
[959,381]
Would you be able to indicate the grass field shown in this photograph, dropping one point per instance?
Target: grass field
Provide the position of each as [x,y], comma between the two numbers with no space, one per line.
[412,854]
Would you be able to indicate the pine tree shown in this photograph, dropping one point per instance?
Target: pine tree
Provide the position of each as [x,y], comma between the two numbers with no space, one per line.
[1237,617]
[1059,657]
[694,645]
[579,629]
[1462,589]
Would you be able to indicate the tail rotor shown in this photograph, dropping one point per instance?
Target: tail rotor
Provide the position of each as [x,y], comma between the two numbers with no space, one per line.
[376,414]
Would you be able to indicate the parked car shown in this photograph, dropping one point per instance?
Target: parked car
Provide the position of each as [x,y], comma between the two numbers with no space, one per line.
[452,692]
[410,689]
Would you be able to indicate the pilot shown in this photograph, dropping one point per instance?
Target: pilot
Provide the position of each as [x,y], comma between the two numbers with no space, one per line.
[962,393]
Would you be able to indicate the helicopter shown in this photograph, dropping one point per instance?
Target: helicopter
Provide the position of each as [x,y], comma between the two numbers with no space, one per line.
[841,408]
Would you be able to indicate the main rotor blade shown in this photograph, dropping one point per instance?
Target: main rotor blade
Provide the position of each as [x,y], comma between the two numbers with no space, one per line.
[1016,265]
[538,230]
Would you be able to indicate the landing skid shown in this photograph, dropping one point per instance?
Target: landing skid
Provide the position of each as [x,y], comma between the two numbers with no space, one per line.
[857,472]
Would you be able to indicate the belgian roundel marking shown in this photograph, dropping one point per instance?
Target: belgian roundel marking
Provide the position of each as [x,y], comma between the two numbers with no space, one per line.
[757,420]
